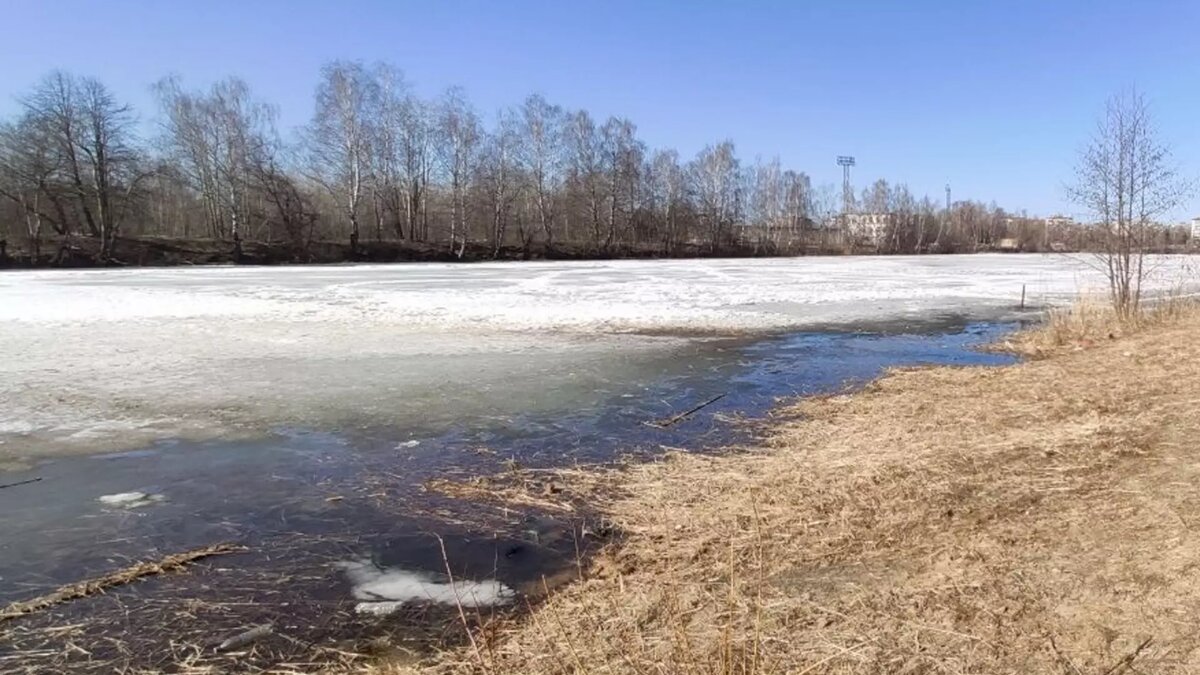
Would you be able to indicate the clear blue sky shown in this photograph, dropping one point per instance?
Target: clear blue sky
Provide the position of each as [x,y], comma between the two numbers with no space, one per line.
[994,97]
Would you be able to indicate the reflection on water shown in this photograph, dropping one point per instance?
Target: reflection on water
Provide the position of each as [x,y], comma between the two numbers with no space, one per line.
[349,510]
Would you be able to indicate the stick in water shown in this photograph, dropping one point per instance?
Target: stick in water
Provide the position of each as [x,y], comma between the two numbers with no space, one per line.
[245,638]
[672,421]
[20,482]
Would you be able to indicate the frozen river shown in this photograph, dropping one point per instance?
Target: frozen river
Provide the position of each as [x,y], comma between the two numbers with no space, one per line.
[107,360]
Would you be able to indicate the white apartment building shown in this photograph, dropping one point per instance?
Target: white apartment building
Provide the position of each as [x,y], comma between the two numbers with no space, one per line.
[870,228]
[1059,221]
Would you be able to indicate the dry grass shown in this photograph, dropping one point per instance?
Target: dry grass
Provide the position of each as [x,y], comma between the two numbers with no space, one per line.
[517,491]
[1035,518]
[1092,319]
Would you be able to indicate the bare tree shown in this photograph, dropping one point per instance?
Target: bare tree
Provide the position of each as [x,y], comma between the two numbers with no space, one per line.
[1125,179]
[339,138]
[541,131]
[766,203]
[622,155]
[902,233]
[222,140]
[586,170]
[283,194]
[415,138]
[877,198]
[668,186]
[797,207]
[28,165]
[499,170]
[778,204]
[385,172]
[403,154]
[93,138]
[459,134]
[715,182]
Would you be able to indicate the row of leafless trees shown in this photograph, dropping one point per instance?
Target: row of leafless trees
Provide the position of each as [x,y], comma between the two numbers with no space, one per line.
[379,163]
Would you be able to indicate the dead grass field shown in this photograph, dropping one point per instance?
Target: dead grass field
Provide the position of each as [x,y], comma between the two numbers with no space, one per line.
[1039,518]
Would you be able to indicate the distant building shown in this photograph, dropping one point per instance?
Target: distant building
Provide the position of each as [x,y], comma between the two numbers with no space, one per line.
[1060,221]
[1008,244]
[826,224]
[869,228]
[1195,228]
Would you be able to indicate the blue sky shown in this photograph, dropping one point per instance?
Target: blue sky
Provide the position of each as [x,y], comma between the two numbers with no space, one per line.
[995,98]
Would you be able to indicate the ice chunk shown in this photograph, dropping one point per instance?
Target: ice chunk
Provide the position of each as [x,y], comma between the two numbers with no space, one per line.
[384,590]
[130,500]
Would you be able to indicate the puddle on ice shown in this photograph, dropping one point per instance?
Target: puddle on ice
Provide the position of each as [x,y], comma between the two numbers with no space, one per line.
[384,590]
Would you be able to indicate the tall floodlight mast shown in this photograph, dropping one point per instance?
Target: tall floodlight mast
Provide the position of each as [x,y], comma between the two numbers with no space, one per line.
[846,161]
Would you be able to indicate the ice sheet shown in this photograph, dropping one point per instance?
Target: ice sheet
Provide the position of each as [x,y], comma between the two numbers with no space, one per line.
[102,360]
[619,295]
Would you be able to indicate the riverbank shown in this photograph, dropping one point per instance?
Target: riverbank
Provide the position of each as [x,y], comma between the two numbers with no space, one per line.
[1033,518]
[157,251]
[153,251]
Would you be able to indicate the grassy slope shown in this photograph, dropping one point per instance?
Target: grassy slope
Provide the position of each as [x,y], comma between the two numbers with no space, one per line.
[1036,518]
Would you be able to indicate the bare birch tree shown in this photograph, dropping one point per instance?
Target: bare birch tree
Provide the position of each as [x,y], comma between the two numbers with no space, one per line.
[622,155]
[767,203]
[1126,180]
[387,127]
[499,170]
[668,186]
[459,135]
[586,170]
[541,145]
[339,138]
[416,136]
[403,155]
[715,177]
[219,138]
[798,207]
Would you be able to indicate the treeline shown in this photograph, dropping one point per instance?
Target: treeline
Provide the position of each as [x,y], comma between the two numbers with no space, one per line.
[377,163]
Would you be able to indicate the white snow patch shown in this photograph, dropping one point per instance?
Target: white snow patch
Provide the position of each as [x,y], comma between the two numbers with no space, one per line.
[130,500]
[378,608]
[384,590]
[16,427]
[102,429]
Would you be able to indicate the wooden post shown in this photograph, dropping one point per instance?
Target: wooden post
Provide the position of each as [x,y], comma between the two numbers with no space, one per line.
[1022,296]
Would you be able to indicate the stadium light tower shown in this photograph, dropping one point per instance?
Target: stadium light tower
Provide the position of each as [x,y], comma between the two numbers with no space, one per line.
[846,161]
